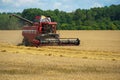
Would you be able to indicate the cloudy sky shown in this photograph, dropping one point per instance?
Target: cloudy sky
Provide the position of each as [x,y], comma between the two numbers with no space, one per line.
[64,5]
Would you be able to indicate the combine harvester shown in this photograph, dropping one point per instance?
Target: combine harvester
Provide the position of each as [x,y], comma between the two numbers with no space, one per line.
[43,33]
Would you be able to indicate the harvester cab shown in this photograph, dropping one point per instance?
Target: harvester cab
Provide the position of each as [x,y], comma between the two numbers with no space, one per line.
[46,25]
[43,33]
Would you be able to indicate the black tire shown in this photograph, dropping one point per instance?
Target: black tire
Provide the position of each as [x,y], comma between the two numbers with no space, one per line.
[26,42]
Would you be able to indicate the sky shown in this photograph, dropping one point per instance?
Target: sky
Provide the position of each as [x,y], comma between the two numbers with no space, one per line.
[62,5]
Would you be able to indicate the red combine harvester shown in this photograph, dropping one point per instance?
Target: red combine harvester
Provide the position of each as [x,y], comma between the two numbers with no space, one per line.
[43,33]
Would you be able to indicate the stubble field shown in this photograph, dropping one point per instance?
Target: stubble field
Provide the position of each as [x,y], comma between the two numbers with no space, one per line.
[97,57]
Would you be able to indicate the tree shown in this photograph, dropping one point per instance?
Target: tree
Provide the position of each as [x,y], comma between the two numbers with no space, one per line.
[6,23]
[104,18]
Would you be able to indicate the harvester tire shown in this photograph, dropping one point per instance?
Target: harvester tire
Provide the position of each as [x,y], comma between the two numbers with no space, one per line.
[26,42]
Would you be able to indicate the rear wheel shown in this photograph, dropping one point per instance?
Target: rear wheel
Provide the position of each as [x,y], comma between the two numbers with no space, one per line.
[26,42]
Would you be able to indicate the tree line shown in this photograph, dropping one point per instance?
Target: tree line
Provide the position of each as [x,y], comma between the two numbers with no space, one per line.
[99,18]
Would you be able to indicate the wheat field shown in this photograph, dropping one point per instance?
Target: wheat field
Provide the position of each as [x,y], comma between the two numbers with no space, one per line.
[97,57]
